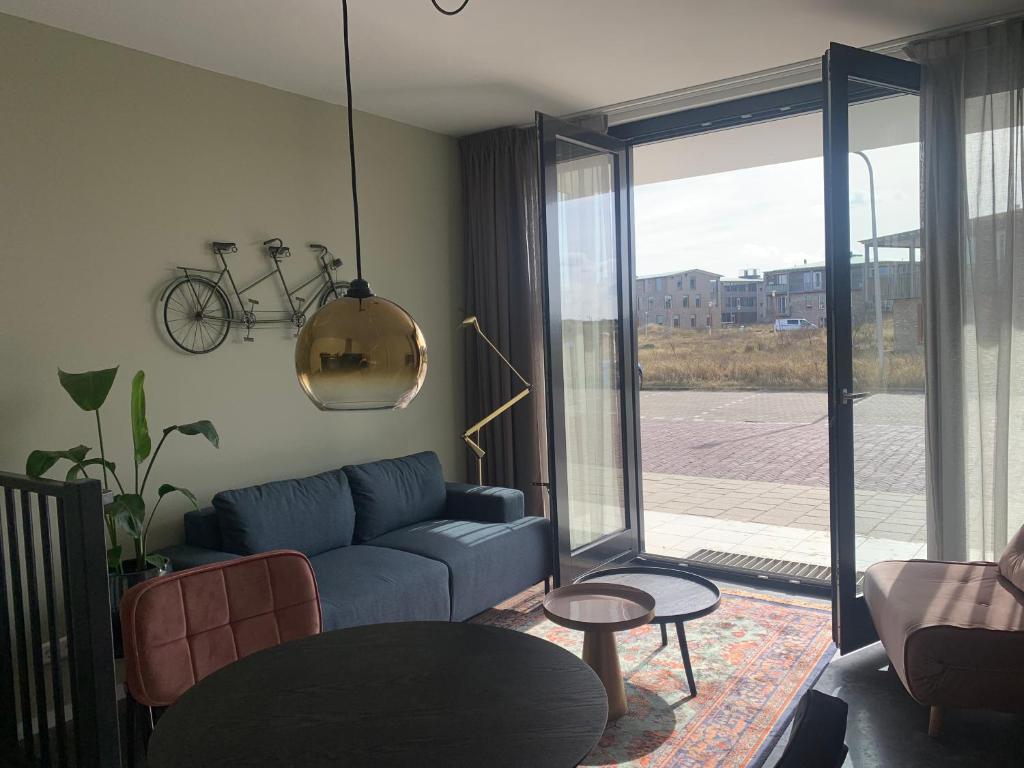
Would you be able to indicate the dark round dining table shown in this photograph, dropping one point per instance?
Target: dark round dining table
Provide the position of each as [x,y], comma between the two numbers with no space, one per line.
[415,693]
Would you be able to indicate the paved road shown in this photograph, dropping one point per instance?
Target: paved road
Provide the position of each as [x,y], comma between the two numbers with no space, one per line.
[781,437]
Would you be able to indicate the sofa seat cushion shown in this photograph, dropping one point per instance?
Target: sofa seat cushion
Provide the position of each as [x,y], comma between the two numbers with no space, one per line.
[954,632]
[372,585]
[394,493]
[311,515]
[487,562]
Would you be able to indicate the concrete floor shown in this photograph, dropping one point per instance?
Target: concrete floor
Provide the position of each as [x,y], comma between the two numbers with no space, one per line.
[888,729]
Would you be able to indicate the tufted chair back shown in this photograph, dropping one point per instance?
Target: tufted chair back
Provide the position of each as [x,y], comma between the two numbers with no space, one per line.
[184,626]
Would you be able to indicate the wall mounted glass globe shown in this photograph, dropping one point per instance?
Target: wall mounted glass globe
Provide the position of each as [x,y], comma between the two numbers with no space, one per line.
[361,354]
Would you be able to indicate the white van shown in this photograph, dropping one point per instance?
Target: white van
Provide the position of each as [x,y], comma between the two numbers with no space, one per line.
[793,324]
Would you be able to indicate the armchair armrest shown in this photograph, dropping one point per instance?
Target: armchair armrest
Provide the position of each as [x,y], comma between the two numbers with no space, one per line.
[484,504]
[185,556]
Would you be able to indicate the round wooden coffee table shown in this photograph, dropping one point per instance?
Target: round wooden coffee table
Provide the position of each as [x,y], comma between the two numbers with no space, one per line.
[679,596]
[599,611]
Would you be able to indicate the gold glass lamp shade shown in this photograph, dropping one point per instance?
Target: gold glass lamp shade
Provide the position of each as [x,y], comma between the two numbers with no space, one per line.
[358,354]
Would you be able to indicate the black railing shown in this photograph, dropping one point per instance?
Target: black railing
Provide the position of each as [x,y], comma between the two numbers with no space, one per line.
[58,702]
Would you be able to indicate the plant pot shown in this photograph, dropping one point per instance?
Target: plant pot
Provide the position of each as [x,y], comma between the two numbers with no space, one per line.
[117,585]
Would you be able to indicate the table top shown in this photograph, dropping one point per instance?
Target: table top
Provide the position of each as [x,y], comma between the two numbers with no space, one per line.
[416,693]
[603,607]
[678,595]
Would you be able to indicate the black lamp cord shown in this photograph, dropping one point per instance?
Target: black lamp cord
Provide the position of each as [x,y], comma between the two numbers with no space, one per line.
[359,287]
[450,13]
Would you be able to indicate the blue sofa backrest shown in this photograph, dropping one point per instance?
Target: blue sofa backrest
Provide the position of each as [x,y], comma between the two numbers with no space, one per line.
[311,514]
[394,493]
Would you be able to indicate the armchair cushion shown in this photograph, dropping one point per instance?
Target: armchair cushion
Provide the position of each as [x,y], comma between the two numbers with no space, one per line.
[954,632]
[1011,563]
[311,515]
[393,493]
[484,504]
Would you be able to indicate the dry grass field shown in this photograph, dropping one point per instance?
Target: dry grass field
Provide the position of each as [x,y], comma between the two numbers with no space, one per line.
[758,358]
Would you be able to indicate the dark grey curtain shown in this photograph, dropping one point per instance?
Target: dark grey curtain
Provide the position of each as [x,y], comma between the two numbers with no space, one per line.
[504,289]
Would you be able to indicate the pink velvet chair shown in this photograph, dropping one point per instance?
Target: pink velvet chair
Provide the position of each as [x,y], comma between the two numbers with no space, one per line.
[182,627]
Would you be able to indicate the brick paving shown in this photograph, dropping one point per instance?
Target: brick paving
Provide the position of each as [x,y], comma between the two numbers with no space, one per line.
[747,472]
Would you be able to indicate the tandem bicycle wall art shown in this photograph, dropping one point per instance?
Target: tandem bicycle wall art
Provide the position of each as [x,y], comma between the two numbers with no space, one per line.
[201,305]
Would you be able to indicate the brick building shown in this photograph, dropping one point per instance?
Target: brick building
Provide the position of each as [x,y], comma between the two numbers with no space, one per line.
[796,292]
[743,299]
[685,299]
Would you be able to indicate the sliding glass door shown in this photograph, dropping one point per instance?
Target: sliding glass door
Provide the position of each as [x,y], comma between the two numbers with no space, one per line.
[875,345]
[591,370]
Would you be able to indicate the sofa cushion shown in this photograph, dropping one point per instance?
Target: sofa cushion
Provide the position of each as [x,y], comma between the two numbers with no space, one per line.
[311,515]
[954,632]
[394,493]
[487,562]
[1011,563]
[372,585]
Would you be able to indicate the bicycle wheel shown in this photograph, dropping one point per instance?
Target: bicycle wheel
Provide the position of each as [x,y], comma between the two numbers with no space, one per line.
[330,293]
[197,315]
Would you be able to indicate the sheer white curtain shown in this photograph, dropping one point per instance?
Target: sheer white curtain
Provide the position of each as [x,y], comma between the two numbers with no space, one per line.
[590,351]
[972,137]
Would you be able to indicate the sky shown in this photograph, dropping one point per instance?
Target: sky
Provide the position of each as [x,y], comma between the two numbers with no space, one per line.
[770,216]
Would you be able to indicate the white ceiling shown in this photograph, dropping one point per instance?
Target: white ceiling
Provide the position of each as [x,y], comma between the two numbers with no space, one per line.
[499,60]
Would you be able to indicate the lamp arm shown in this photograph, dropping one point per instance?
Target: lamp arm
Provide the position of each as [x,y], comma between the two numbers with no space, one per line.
[497,351]
[495,414]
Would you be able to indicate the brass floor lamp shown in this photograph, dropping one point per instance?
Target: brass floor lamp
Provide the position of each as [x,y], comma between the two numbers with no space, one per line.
[472,435]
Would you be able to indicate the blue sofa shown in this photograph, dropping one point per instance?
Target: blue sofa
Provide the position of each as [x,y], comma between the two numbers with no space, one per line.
[388,540]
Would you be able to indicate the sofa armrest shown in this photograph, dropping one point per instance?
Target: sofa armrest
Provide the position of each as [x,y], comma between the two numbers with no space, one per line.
[484,504]
[185,556]
[202,528]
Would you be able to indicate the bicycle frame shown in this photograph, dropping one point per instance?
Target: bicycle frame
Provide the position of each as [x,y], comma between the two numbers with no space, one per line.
[297,314]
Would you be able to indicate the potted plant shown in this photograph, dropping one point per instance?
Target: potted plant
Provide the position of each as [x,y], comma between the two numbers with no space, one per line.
[124,511]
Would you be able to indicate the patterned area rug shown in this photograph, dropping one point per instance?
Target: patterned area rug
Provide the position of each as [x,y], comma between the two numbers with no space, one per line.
[752,658]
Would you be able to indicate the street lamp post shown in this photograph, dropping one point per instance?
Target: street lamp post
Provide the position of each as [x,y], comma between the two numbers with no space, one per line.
[878,271]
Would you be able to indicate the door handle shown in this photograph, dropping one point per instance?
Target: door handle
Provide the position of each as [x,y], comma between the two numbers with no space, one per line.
[848,397]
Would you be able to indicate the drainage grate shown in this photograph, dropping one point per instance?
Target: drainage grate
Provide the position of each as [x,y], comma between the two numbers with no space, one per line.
[787,569]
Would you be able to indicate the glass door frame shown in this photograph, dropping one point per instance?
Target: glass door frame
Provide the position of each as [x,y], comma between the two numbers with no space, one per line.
[843,66]
[742,111]
[625,543]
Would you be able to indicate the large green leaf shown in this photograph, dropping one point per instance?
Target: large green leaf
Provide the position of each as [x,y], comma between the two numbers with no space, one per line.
[79,468]
[114,559]
[129,513]
[167,488]
[140,429]
[90,389]
[157,561]
[39,462]
[203,427]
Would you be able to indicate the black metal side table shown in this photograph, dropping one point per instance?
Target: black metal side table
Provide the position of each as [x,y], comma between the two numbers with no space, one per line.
[679,596]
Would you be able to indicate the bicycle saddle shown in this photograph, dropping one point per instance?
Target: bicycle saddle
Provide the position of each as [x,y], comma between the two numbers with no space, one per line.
[278,251]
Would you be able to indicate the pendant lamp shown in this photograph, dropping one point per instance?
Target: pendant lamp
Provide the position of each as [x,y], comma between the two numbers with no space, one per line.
[360,352]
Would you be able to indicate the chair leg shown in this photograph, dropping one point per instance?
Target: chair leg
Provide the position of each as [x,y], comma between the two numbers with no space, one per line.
[129,731]
[664,634]
[685,652]
[148,726]
[935,722]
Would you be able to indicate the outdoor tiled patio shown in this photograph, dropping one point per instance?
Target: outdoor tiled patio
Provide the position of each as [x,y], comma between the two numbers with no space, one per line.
[747,473]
